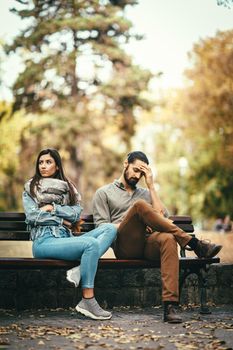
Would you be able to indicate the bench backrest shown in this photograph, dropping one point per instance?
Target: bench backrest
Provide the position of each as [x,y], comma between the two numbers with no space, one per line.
[13,226]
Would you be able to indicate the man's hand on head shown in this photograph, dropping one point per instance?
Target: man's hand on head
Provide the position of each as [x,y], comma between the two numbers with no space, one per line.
[147,172]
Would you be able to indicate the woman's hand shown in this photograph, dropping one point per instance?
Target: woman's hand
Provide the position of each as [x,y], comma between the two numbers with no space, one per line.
[149,229]
[67,223]
[47,207]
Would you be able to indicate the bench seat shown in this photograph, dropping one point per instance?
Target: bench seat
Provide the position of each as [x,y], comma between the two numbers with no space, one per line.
[33,263]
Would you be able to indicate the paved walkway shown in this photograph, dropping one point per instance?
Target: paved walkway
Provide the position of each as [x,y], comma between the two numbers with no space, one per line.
[128,329]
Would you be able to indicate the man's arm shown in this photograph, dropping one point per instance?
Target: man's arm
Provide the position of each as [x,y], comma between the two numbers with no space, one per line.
[155,200]
[101,212]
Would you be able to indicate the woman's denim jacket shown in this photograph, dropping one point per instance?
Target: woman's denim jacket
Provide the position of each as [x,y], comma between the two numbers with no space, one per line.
[40,221]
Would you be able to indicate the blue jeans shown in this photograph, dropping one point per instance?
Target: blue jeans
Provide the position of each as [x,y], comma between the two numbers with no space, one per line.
[87,248]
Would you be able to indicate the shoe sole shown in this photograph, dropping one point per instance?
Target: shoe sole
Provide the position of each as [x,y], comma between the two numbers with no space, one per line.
[215,251]
[173,321]
[89,314]
[70,279]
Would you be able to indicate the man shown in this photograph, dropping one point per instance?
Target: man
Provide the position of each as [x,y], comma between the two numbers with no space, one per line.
[144,231]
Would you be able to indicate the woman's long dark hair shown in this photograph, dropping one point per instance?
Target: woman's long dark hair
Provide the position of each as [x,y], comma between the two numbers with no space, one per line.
[59,174]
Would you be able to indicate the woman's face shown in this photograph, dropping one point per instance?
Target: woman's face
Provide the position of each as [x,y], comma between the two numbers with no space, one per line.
[47,166]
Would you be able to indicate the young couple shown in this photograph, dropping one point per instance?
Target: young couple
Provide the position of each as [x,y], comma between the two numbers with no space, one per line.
[131,218]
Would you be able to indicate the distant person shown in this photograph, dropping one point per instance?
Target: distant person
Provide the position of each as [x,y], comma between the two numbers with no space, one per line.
[218,225]
[227,223]
[223,225]
[144,230]
[52,205]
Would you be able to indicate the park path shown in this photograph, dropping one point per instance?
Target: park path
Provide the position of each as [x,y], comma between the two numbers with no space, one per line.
[132,329]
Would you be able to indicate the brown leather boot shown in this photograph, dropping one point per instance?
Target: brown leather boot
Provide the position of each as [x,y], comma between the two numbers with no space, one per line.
[206,249]
[170,313]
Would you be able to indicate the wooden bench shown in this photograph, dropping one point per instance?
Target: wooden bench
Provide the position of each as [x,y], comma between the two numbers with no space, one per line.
[13,228]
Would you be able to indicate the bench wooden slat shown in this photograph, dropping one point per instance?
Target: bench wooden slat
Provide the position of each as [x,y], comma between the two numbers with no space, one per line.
[4,216]
[17,216]
[33,263]
[185,227]
[13,225]
[14,236]
[87,226]
[179,219]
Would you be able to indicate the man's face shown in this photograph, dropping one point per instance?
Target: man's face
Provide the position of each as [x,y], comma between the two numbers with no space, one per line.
[132,173]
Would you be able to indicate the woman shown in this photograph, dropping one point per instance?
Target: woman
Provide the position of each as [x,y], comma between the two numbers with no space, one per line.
[52,205]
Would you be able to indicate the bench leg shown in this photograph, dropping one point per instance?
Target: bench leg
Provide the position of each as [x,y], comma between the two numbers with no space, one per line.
[183,275]
[75,296]
[202,281]
[202,284]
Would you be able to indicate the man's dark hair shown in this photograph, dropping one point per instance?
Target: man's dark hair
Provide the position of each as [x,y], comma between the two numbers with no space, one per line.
[132,156]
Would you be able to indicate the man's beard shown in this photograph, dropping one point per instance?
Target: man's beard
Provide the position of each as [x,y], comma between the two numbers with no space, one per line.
[131,181]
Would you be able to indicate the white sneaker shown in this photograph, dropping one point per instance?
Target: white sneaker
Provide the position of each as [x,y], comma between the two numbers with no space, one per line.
[90,308]
[73,275]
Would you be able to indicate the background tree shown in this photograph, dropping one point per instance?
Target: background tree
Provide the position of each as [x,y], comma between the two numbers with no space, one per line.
[190,134]
[226,3]
[159,133]
[11,129]
[77,71]
[207,106]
